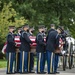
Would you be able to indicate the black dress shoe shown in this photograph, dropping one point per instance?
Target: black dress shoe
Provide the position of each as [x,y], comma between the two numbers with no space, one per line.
[52,73]
[10,73]
[31,72]
[38,72]
[24,72]
[57,72]
[41,72]
[17,72]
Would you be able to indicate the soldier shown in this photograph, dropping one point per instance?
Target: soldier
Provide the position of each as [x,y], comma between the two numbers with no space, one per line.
[19,31]
[44,35]
[10,51]
[51,47]
[24,49]
[31,30]
[31,61]
[17,70]
[63,36]
[40,49]
[51,29]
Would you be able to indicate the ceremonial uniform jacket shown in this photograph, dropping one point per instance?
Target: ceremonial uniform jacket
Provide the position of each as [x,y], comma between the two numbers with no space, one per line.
[18,34]
[10,43]
[25,42]
[48,33]
[29,34]
[40,43]
[63,37]
[53,41]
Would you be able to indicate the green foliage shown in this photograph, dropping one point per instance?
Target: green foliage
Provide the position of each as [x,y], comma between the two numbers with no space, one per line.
[46,12]
[9,17]
[60,12]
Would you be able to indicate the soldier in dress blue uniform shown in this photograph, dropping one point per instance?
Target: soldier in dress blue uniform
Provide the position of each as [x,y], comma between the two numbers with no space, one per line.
[52,28]
[19,31]
[51,46]
[24,49]
[10,51]
[31,60]
[31,30]
[40,49]
[17,69]
[44,34]
[63,36]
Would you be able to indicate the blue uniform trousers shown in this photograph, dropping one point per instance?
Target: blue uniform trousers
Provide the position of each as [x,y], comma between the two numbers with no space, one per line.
[45,58]
[40,62]
[56,62]
[17,68]
[52,62]
[10,62]
[24,61]
[31,62]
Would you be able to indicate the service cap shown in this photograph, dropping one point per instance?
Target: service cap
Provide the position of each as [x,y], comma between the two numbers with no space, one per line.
[11,27]
[60,28]
[41,26]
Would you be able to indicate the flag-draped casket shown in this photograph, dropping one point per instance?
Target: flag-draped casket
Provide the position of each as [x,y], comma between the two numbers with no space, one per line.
[18,43]
[33,45]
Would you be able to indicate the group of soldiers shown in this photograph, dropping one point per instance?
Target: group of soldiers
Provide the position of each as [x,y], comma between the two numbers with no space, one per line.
[22,60]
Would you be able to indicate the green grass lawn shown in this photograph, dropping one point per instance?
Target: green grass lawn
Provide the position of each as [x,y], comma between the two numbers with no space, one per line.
[2,63]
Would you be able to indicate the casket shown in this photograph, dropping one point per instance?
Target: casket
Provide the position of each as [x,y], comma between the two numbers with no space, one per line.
[32,38]
[58,49]
[18,43]
[33,45]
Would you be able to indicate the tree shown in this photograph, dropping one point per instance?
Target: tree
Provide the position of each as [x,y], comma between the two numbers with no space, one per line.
[9,17]
[60,12]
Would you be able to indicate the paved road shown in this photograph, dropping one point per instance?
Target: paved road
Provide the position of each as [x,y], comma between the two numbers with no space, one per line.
[67,72]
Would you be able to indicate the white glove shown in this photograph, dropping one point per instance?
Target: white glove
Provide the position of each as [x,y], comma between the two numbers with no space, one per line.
[63,52]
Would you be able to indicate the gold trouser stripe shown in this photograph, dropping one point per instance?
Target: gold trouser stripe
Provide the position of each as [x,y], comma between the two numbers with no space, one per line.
[16,60]
[7,63]
[9,58]
[28,61]
[39,62]
[51,63]
[13,65]
[23,61]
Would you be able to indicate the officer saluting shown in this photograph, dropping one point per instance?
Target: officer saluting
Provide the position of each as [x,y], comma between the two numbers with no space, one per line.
[40,49]
[10,50]
[51,46]
[24,49]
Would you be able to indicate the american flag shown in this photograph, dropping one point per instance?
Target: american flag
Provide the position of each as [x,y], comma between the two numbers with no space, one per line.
[32,38]
[18,43]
